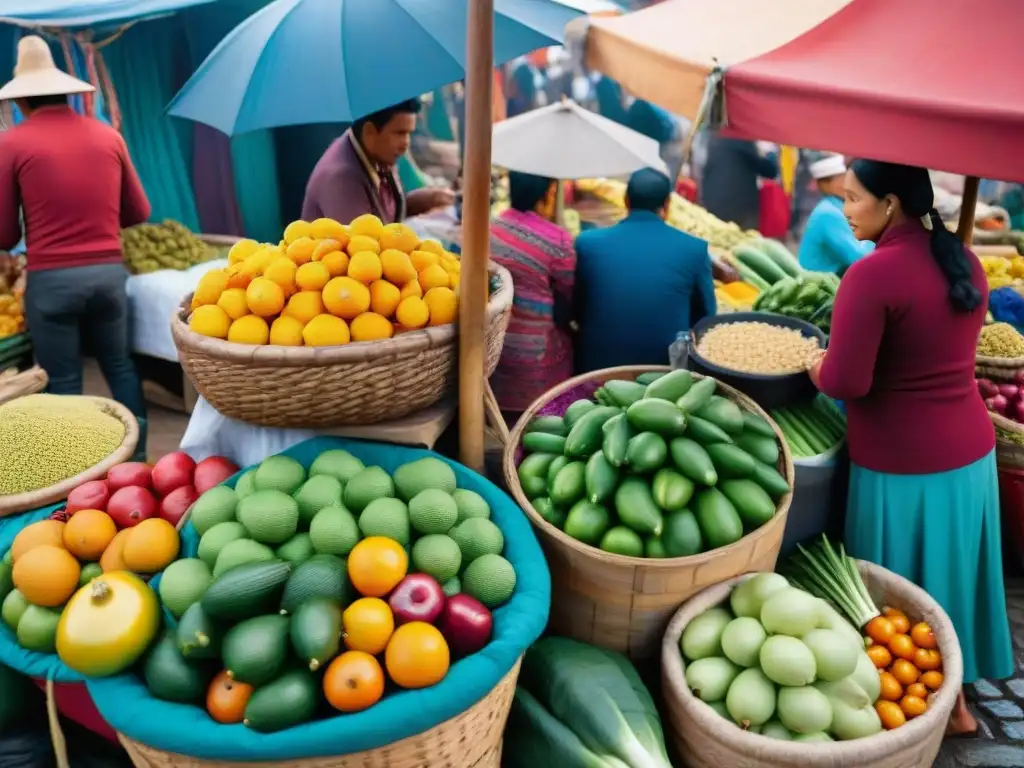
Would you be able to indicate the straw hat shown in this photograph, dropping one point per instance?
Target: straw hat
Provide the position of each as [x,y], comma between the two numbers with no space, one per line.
[35,74]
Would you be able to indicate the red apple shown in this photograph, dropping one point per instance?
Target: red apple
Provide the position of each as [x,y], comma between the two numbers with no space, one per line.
[176,503]
[172,471]
[130,473]
[91,495]
[466,624]
[212,471]
[418,597]
[130,506]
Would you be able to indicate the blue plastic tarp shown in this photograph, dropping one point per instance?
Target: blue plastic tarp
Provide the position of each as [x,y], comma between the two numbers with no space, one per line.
[75,13]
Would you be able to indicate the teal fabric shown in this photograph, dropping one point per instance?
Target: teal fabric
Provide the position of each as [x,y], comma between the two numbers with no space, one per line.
[941,532]
[188,730]
[409,174]
[38,665]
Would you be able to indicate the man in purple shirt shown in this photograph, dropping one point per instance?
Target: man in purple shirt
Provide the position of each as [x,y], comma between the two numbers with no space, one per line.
[357,174]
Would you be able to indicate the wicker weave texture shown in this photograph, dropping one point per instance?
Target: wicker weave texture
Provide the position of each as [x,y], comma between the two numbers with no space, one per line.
[624,603]
[14,385]
[706,740]
[323,387]
[470,740]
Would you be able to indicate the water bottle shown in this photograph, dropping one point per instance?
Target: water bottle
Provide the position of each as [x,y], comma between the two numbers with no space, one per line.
[679,351]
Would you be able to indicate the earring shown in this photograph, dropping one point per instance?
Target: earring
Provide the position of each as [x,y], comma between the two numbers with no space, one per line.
[888,211]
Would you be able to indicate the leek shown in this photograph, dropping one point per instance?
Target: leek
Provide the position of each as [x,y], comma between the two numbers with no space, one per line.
[832,576]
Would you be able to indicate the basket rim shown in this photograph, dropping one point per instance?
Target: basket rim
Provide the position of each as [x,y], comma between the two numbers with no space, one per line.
[1005,423]
[999,362]
[23,502]
[186,340]
[554,532]
[838,752]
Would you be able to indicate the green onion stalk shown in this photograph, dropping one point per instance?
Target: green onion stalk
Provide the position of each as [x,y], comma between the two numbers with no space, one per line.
[832,576]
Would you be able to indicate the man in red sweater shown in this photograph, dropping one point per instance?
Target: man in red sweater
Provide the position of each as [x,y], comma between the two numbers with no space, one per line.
[68,184]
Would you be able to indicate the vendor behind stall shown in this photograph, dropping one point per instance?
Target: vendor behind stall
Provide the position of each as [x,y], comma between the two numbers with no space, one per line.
[828,244]
[71,179]
[357,175]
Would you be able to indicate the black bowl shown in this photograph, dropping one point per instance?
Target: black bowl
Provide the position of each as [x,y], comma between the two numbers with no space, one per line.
[768,390]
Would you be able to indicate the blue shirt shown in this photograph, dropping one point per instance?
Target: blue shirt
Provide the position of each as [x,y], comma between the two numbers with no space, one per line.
[638,284]
[828,244]
[652,121]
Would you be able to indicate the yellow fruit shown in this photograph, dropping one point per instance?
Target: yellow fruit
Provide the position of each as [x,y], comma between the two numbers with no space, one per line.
[325,331]
[286,332]
[211,286]
[38,534]
[301,251]
[384,297]
[313,276]
[112,559]
[88,533]
[264,297]
[433,276]
[233,302]
[281,271]
[368,225]
[423,259]
[304,306]
[336,263]
[412,313]
[151,546]
[296,230]
[346,297]
[46,575]
[259,261]
[210,320]
[240,275]
[412,288]
[251,329]
[397,266]
[400,237]
[242,250]
[323,247]
[370,326]
[442,305]
[364,267]
[360,243]
[431,246]
[328,229]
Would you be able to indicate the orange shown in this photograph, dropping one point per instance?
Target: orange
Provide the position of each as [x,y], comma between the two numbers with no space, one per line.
[304,306]
[904,672]
[88,533]
[376,565]
[346,298]
[384,297]
[397,266]
[250,329]
[353,682]
[46,575]
[264,297]
[282,271]
[370,326]
[924,659]
[880,656]
[368,225]
[917,689]
[328,229]
[360,243]
[423,259]
[324,247]
[210,320]
[296,230]
[902,646]
[913,706]
[365,267]
[412,288]
[890,714]
[286,331]
[412,313]
[226,699]
[891,688]
[922,636]
[233,302]
[239,276]
[898,618]
[301,251]
[432,246]
[932,680]
[113,556]
[399,237]
[151,546]
[41,533]
[326,331]
[211,286]
[367,625]
[417,655]
[442,306]
[433,276]
[336,263]
[312,277]
[241,250]
[880,629]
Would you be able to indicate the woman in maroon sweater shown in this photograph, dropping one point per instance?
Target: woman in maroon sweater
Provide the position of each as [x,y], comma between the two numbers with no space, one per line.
[924,500]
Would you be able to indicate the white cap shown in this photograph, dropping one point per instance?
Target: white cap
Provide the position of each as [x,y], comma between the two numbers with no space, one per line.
[827,167]
[35,73]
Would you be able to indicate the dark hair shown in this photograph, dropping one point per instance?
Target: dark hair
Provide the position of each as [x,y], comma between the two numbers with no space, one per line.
[912,186]
[35,102]
[383,117]
[648,190]
[525,190]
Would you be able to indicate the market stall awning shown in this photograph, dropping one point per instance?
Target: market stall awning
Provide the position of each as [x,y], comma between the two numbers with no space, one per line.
[935,84]
[75,13]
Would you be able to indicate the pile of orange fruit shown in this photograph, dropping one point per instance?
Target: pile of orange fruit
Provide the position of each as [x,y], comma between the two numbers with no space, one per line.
[327,284]
[12,314]
[909,666]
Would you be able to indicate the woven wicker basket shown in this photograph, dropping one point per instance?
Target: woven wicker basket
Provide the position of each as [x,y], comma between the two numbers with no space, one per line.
[997,368]
[320,387]
[706,740]
[1008,454]
[470,740]
[623,603]
[22,502]
[30,382]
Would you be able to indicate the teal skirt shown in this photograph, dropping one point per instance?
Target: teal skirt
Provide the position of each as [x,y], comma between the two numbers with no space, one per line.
[941,532]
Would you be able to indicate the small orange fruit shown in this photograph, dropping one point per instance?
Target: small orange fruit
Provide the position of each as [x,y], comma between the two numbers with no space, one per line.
[397,266]
[151,547]
[336,263]
[365,267]
[432,246]
[264,297]
[923,637]
[913,706]
[370,326]
[890,714]
[423,259]
[927,660]
[902,646]
[904,672]
[328,229]
[898,618]
[917,689]
[312,277]
[41,533]
[282,271]
[113,556]
[353,682]
[384,297]
[880,629]
[301,251]
[326,331]
[367,625]
[286,331]
[241,250]
[412,313]
[368,225]
[226,699]
[932,680]
[304,306]
[362,243]
[297,230]
[376,565]
[210,320]
[891,688]
[433,276]
[880,656]
[233,302]
[442,306]
[346,298]
[417,655]
[46,575]
[324,247]
[88,533]
[251,329]
[412,288]
[399,237]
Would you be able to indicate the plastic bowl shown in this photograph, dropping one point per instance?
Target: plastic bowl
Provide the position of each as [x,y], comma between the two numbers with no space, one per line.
[767,390]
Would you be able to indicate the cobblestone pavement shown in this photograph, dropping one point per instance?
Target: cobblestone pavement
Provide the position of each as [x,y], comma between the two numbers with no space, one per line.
[999,707]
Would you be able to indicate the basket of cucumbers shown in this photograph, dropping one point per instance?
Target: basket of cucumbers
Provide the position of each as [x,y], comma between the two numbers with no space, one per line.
[646,485]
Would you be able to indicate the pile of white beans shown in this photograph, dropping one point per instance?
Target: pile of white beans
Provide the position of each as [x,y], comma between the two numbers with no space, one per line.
[758,348]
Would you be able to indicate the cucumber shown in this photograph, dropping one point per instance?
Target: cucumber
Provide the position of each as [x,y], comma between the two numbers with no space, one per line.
[575,411]
[603,398]
[646,452]
[624,393]
[315,631]
[752,502]
[247,590]
[543,442]
[719,521]
[656,416]
[636,508]
[671,386]
[751,257]
[617,434]
[754,424]
[546,508]
[698,396]
[320,576]
[553,425]
[723,413]
[555,468]
[781,255]
[704,432]
[693,461]
[730,461]
[585,436]
[533,474]
[290,700]
[671,491]
[770,479]
[569,484]
[621,540]
[198,635]
[587,522]
[654,548]
[764,449]
[600,478]
[650,377]
[682,536]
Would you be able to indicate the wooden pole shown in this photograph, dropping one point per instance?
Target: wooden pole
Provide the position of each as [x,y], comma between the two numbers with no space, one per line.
[965,227]
[476,215]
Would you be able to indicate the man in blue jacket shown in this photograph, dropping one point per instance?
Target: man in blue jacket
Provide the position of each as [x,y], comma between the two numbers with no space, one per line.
[639,283]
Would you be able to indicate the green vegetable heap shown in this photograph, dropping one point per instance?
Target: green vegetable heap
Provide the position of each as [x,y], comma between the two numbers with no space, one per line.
[811,429]
[657,467]
[169,245]
[808,297]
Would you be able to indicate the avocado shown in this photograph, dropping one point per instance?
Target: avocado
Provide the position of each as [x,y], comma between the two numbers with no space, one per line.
[169,676]
[286,702]
[320,576]
[254,651]
[316,631]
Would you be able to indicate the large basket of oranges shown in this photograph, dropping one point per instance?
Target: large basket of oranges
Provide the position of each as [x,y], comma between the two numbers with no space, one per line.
[335,326]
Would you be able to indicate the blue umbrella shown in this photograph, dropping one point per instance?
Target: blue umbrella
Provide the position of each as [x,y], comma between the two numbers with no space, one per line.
[334,61]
